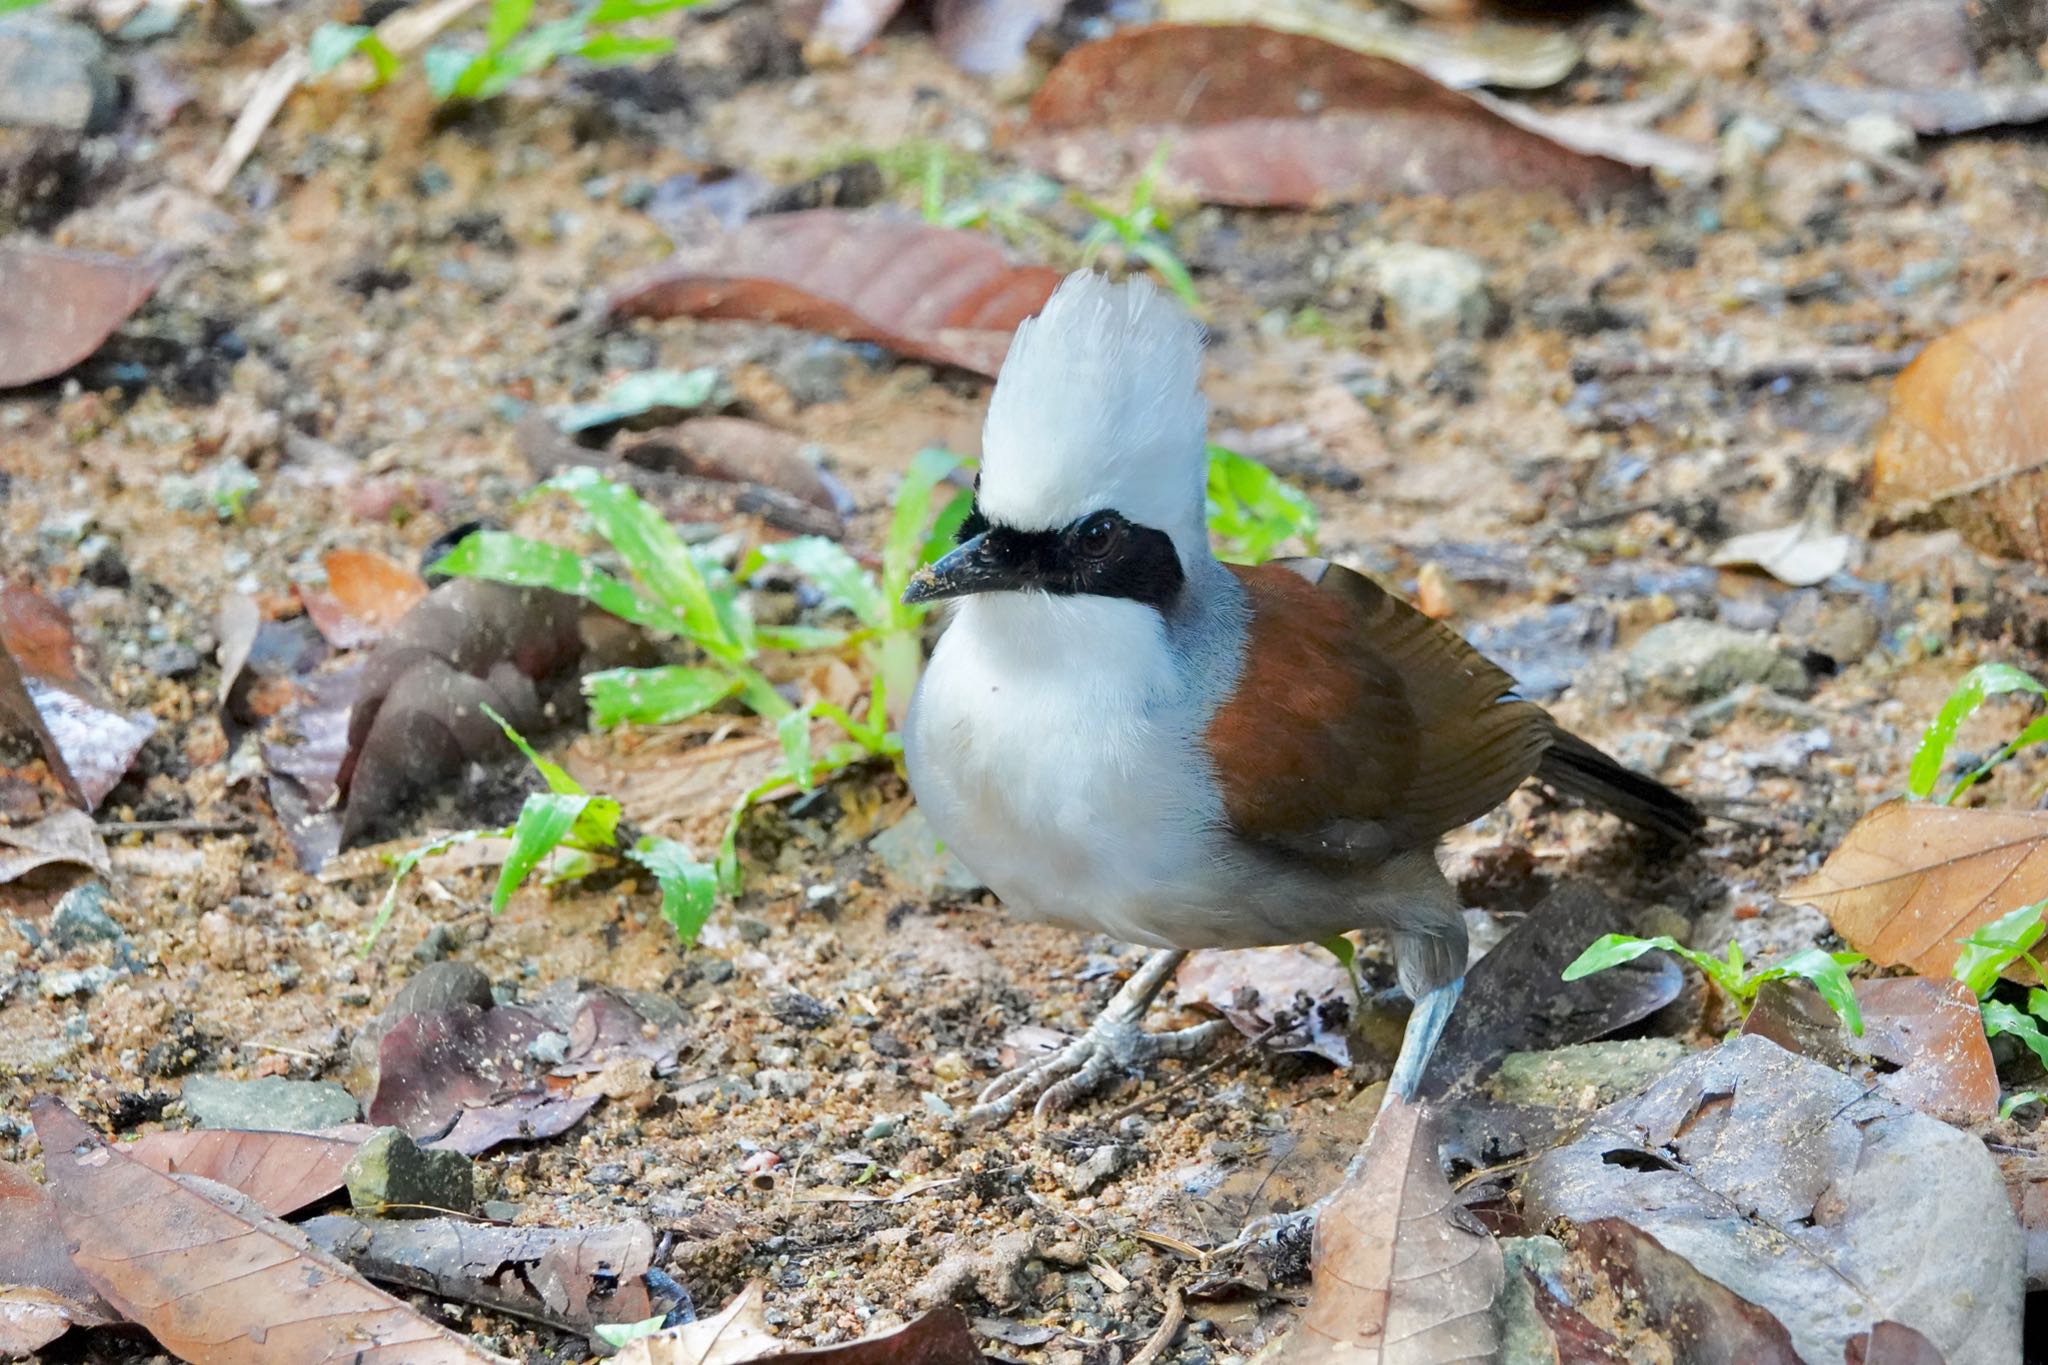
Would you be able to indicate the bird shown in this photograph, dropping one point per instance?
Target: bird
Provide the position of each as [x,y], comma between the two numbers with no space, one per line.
[1120,733]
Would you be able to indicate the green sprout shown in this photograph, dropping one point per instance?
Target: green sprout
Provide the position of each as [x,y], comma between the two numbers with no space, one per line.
[1141,229]
[1827,971]
[514,45]
[1978,685]
[1252,510]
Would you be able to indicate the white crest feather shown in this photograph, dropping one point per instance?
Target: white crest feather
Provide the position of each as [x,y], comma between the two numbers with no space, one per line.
[1099,405]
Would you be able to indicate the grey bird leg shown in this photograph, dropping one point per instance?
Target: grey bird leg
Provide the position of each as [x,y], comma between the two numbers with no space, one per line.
[1113,1044]
[1425,1025]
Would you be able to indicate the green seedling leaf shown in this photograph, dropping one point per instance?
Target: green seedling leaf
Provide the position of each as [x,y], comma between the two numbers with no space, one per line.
[1981,682]
[1995,946]
[1252,510]
[608,49]
[799,639]
[406,862]
[544,822]
[1829,975]
[1168,267]
[2000,1017]
[2036,732]
[507,19]
[333,44]
[654,554]
[505,558]
[913,536]
[557,777]
[617,1334]
[637,394]
[447,69]
[1827,971]
[689,888]
[837,572]
[794,732]
[608,12]
[655,696]
[2018,1098]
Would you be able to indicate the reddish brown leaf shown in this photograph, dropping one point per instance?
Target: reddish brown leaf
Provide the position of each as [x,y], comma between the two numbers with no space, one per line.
[927,292]
[438,1062]
[1923,1040]
[32,1255]
[284,1172]
[1704,1320]
[1229,101]
[86,743]
[57,307]
[30,1319]
[366,595]
[1911,881]
[548,1110]
[738,1334]
[211,1276]
[1402,1274]
[1892,1343]
[1965,432]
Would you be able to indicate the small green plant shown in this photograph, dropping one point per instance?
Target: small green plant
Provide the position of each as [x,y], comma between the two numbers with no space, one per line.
[1141,229]
[1986,954]
[1827,971]
[1978,685]
[514,45]
[577,834]
[1253,511]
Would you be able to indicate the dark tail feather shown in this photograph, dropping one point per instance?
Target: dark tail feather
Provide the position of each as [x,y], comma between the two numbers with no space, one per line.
[1576,768]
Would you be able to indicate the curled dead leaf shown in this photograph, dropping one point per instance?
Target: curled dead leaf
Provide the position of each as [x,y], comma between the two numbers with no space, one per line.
[1964,436]
[58,307]
[366,595]
[927,292]
[1910,881]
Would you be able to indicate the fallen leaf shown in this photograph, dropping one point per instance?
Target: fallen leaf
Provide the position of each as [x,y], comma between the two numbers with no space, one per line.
[1517,1000]
[736,450]
[98,743]
[571,1278]
[212,1277]
[1963,436]
[366,595]
[85,744]
[548,1110]
[1402,1273]
[1891,1343]
[1910,881]
[58,307]
[1796,1189]
[33,1257]
[926,292]
[1515,56]
[30,1319]
[1932,111]
[1923,1041]
[739,1335]
[434,1064]
[670,778]
[1799,555]
[1300,988]
[284,1172]
[1702,1322]
[1229,101]
[65,835]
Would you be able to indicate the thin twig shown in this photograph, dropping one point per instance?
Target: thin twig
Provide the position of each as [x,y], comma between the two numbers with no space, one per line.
[1181,1083]
[1169,1328]
[116,827]
[1827,363]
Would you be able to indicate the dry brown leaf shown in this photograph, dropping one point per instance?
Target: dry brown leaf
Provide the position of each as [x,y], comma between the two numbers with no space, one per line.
[366,595]
[58,307]
[86,742]
[1229,101]
[1402,1272]
[1910,881]
[284,1172]
[1967,434]
[1922,1044]
[1507,55]
[927,292]
[735,1335]
[32,1257]
[30,1319]
[211,1276]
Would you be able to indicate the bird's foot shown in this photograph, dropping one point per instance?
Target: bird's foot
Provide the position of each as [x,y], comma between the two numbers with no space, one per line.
[1425,1025]
[1113,1046]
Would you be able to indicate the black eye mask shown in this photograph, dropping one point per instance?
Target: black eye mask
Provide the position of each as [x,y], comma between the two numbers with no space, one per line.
[1100,555]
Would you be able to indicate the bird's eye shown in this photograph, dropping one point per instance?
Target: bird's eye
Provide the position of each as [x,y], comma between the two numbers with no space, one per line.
[1097,536]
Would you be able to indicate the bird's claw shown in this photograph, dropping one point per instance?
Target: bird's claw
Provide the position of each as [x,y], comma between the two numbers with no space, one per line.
[1111,1047]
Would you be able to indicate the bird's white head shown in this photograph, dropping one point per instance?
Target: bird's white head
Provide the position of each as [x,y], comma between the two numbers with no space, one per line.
[1099,407]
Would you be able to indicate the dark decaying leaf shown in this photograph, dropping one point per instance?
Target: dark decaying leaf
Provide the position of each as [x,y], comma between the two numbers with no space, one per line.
[2026,1185]
[86,743]
[284,1172]
[738,1334]
[571,1278]
[417,718]
[1910,881]
[434,1064]
[1963,435]
[548,1109]
[604,1025]
[1701,1320]
[1923,1040]
[1517,1000]
[57,307]
[210,1275]
[1403,1275]
[737,450]
[927,292]
[1801,1192]
[366,595]
[661,469]
[32,1255]
[1256,117]
[1892,1343]
[65,835]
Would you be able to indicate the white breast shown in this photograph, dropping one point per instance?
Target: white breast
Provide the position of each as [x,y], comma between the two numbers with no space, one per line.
[1054,746]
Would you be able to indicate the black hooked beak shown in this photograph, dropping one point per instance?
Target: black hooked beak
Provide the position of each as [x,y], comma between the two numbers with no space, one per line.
[974,566]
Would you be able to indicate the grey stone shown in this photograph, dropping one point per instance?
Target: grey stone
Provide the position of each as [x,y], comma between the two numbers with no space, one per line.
[1097,1169]
[1693,661]
[393,1176]
[173,660]
[54,74]
[81,917]
[784,1085]
[1003,1274]
[1525,1339]
[1431,291]
[698,1094]
[914,856]
[1880,134]
[70,985]
[818,373]
[1586,1074]
[549,1049]
[271,1103]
